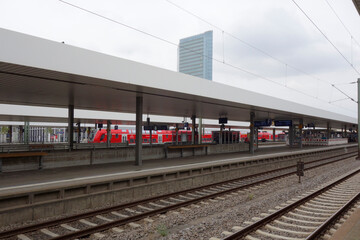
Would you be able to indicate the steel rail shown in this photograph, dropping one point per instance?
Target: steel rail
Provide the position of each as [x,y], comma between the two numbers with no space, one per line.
[262,222]
[56,222]
[323,227]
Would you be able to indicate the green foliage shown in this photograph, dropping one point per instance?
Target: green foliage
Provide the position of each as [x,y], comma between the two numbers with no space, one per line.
[162,230]
[49,130]
[4,129]
[251,196]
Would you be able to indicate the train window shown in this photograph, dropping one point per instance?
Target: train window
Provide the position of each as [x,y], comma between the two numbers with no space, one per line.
[153,140]
[132,140]
[117,136]
[145,140]
[102,137]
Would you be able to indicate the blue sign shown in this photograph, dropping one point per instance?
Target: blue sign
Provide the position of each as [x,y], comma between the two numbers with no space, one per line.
[148,128]
[266,122]
[280,123]
[223,120]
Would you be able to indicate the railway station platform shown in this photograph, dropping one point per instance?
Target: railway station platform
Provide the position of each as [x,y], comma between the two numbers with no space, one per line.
[66,175]
[34,194]
[350,230]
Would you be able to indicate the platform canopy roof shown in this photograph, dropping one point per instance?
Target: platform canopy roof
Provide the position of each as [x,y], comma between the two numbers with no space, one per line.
[39,72]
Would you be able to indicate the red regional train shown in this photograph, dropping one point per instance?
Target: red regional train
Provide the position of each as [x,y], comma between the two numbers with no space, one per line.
[160,136]
[169,136]
[262,136]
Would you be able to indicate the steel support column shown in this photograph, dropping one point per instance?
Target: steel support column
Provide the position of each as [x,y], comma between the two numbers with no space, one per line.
[252,132]
[138,147]
[108,133]
[228,140]
[291,136]
[177,134]
[26,132]
[358,83]
[10,134]
[220,135]
[71,127]
[78,132]
[200,131]
[21,136]
[273,134]
[345,135]
[150,137]
[328,132]
[193,119]
[301,124]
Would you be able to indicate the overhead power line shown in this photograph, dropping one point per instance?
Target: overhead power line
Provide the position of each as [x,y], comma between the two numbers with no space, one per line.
[333,10]
[345,94]
[338,100]
[175,44]
[324,35]
[252,46]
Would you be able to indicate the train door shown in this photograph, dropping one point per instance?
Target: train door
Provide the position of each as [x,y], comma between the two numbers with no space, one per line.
[124,138]
[160,138]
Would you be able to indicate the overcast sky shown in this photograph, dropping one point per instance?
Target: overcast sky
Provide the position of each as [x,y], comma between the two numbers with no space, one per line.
[276,27]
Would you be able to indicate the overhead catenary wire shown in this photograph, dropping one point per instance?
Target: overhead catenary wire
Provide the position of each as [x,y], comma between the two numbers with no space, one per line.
[175,44]
[337,84]
[352,38]
[345,94]
[204,55]
[342,99]
[253,47]
[347,29]
[324,35]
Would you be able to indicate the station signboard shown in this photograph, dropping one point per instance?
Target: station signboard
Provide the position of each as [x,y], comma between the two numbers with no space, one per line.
[280,123]
[223,120]
[156,127]
[148,128]
[265,123]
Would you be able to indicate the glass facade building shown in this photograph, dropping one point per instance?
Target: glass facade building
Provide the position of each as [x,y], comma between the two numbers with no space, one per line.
[195,55]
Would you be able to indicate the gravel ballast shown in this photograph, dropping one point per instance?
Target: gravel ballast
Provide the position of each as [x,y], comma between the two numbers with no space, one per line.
[210,220]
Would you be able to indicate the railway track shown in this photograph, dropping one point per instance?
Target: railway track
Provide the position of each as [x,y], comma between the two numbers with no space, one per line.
[307,217]
[95,222]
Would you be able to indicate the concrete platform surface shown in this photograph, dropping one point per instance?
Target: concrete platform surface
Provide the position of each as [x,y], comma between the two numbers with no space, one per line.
[350,230]
[24,179]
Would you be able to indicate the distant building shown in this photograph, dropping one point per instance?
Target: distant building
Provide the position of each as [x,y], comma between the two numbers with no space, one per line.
[195,55]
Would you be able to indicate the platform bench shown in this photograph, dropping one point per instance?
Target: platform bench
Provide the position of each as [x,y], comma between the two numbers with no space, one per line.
[23,154]
[182,147]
